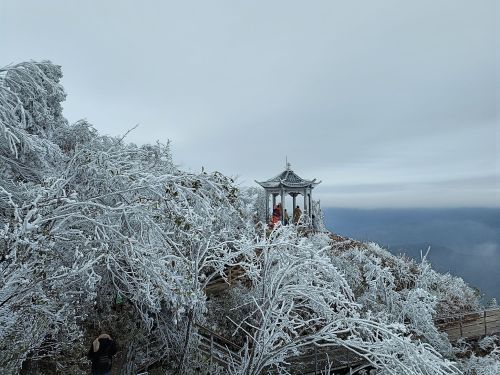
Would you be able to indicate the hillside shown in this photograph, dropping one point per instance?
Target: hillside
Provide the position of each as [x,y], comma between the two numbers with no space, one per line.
[462,241]
[100,235]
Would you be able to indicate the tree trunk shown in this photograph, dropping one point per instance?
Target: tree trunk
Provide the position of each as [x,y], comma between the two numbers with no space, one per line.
[186,342]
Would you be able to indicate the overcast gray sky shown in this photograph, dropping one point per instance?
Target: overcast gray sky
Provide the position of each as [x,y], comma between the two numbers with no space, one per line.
[390,103]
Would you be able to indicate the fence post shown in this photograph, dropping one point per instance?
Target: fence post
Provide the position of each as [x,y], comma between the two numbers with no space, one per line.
[484,320]
[315,360]
[211,350]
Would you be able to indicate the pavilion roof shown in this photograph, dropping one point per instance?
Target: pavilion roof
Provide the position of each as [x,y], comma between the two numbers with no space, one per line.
[288,179]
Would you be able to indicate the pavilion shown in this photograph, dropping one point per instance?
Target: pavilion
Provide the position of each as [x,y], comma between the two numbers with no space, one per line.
[288,183]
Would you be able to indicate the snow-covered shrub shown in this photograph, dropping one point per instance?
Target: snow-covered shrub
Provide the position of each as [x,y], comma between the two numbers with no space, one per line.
[489,343]
[492,304]
[485,360]
[404,291]
[254,200]
[453,294]
[487,365]
[319,217]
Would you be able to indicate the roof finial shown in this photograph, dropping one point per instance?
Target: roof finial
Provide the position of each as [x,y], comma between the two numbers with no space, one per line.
[287,164]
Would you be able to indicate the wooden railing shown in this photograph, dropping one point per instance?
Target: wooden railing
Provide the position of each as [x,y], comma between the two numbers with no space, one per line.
[220,284]
[470,325]
[224,352]
[317,359]
[217,348]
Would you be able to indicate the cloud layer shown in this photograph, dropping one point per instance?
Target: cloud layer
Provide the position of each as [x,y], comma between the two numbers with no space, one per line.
[389,103]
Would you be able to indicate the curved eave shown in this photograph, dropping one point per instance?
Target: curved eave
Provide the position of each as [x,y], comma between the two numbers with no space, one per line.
[291,185]
[266,184]
[309,184]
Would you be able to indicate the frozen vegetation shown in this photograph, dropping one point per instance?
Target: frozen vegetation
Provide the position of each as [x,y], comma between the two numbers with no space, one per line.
[98,234]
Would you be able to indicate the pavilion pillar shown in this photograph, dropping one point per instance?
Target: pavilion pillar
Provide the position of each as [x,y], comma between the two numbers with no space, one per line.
[305,201]
[310,203]
[282,206]
[274,201]
[267,207]
[294,199]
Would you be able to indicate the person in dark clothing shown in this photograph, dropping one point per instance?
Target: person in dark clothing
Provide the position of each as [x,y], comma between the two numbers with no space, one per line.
[101,354]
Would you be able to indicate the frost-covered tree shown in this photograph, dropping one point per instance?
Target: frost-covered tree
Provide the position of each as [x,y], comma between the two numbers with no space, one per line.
[87,218]
[299,300]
